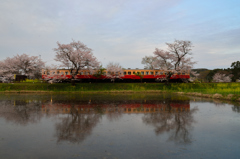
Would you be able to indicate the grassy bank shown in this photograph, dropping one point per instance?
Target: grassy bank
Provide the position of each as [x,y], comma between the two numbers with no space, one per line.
[198,88]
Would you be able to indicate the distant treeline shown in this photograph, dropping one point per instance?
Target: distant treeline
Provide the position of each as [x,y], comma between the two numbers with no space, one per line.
[206,75]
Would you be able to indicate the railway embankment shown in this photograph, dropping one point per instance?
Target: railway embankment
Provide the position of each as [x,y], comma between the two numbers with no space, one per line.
[227,91]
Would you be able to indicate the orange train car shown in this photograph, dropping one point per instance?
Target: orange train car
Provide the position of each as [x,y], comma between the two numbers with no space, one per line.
[123,108]
[129,75]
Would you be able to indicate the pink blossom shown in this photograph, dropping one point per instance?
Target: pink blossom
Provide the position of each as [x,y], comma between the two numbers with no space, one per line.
[76,56]
[114,71]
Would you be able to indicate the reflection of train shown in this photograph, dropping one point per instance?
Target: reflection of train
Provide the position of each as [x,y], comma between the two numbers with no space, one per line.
[121,108]
[128,75]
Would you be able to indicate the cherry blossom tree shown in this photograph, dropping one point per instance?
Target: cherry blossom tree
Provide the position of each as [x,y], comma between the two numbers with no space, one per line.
[148,61]
[8,68]
[175,59]
[114,71]
[22,65]
[194,76]
[29,65]
[77,56]
[218,77]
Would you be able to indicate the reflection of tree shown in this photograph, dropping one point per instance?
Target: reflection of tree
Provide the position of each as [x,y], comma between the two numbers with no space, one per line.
[176,123]
[75,127]
[236,108]
[113,113]
[21,111]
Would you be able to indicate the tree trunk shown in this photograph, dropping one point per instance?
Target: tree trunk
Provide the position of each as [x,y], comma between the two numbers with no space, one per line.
[73,82]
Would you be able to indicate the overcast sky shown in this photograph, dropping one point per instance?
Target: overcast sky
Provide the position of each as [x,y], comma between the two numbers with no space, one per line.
[122,31]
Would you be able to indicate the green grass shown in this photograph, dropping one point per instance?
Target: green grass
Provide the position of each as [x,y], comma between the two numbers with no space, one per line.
[205,88]
[31,81]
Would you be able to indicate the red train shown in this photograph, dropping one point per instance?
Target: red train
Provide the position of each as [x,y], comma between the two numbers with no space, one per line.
[128,75]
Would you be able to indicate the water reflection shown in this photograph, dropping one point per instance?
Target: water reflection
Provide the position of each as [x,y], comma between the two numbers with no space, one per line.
[77,117]
[117,125]
[218,103]
[21,112]
[76,126]
[236,108]
[166,115]
[177,120]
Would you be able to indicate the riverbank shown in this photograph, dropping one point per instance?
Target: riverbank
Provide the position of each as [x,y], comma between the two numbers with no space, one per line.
[228,91]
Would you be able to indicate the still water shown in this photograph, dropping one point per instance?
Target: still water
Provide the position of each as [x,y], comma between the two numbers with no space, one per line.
[117,126]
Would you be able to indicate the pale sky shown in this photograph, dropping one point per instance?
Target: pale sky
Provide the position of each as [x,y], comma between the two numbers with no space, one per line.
[122,31]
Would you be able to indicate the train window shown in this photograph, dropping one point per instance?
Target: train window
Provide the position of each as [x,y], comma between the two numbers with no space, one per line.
[125,73]
[156,73]
[62,73]
[133,72]
[53,73]
[66,73]
[138,73]
[129,73]
[151,73]
[179,73]
[161,73]
[142,73]
[147,73]
[81,73]
[48,73]
[183,73]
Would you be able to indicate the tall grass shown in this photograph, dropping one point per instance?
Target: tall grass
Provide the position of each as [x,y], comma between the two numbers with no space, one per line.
[206,88]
